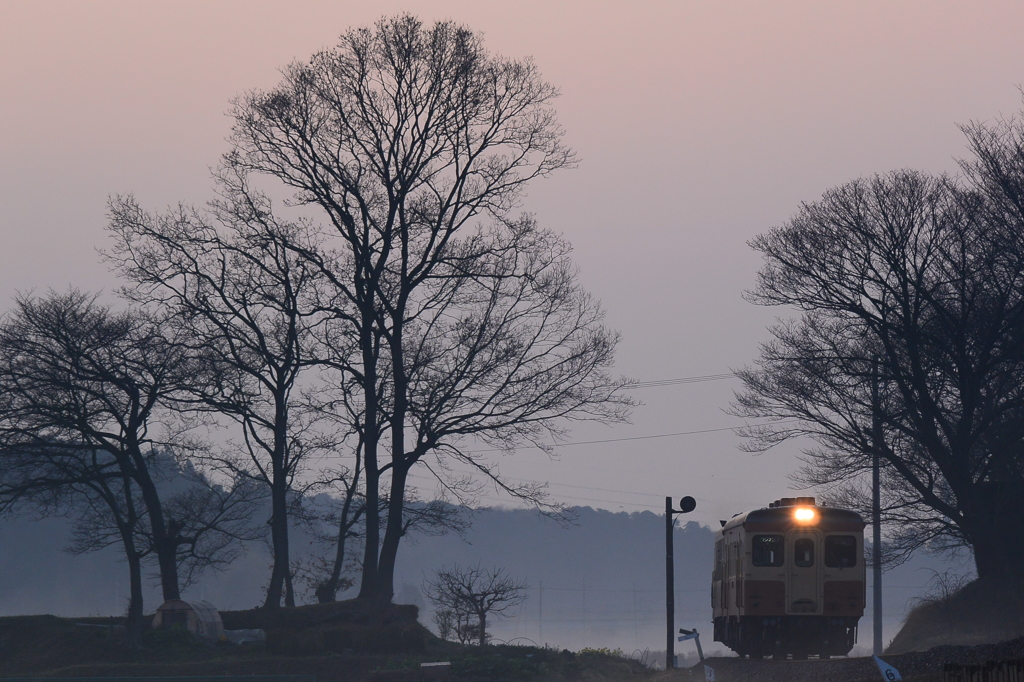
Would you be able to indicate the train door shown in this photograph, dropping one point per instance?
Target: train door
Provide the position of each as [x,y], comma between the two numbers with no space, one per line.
[804,572]
[728,576]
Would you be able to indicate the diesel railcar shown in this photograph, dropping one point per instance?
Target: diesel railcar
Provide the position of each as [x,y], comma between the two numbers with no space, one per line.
[789,580]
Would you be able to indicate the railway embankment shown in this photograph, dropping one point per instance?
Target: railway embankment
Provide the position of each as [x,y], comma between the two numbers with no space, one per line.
[976,614]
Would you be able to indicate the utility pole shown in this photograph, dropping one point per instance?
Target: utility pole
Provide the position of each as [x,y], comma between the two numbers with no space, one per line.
[686,505]
[876,508]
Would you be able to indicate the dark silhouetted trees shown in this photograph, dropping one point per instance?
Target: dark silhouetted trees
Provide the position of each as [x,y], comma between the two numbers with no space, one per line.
[925,276]
[233,288]
[405,313]
[413,144]
[82,391]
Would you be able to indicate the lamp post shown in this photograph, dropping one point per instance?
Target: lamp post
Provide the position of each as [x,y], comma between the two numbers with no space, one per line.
[686,505]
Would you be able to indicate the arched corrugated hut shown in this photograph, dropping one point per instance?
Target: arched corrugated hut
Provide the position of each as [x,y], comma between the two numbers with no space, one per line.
[198,617]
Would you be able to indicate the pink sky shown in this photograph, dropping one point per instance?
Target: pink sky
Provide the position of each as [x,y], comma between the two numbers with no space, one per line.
[699,125]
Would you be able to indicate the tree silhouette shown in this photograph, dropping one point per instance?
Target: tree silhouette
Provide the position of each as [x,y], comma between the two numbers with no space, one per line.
[925,276]
[458,319]
[81,389]
[466,597]
[239,298]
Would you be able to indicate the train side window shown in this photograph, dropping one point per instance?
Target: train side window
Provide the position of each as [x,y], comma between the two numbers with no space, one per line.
[767,550]
[841,551]
[803,549]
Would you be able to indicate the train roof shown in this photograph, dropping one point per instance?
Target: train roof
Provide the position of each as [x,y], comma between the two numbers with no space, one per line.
[779,517]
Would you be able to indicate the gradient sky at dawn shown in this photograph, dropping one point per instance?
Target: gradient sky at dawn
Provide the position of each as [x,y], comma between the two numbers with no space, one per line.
[698,124]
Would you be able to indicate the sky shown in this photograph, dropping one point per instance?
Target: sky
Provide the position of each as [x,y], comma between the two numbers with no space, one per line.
[699,125]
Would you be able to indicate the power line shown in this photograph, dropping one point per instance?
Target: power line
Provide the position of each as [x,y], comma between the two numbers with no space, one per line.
[604,490]
[619,440]
[682,380]
[638,384]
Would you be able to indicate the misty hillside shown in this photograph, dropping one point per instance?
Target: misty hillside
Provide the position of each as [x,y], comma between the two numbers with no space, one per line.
[597,583]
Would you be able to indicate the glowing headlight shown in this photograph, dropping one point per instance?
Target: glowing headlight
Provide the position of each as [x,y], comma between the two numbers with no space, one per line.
[804,515]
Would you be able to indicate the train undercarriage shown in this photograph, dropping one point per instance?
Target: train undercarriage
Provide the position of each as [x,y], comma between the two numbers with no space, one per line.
[782,636]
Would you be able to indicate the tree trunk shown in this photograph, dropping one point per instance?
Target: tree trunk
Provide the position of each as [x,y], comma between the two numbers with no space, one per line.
[328,592]
[166,547]
[133,623]
[996,513]
[392,535]
[278,538]
[483,628]
[289,589]
[399,469]
[371,436]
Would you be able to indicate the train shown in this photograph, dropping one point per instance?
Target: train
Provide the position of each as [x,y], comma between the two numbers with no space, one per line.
[789,580]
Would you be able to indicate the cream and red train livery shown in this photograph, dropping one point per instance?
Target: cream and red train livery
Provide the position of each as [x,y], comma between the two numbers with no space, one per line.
[789,579]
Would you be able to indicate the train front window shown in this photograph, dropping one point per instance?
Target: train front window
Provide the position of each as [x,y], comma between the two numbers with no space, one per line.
[841,551]
[803,549]
[767,550]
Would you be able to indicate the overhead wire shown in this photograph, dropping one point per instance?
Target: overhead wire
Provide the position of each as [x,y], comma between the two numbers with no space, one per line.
[649,437]
[637,384]
[681,380]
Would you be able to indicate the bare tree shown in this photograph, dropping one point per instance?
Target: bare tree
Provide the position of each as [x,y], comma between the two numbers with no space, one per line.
[85,484]
[408,139]
[80,387]
[446,622]
[333,522]
[232,283]
[75,373]
[210,520]
[466,597]
[923,279]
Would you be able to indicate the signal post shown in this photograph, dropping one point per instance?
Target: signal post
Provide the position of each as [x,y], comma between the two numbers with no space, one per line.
[686,505]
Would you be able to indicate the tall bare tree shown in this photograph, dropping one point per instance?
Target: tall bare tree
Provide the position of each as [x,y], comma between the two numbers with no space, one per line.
[408,140]
[924,277]
[230,280]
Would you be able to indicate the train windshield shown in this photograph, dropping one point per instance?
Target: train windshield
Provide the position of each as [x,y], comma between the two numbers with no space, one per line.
[767,550]
[841,551]
[804,551]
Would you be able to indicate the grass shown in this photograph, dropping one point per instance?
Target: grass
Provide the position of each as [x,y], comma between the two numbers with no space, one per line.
[973,613]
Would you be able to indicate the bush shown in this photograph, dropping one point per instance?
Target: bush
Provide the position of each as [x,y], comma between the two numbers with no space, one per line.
[603,651]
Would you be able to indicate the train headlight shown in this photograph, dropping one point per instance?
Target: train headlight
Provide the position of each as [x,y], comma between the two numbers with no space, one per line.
[805,515]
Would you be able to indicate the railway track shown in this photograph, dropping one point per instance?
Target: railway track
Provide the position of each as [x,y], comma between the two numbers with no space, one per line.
[915,666]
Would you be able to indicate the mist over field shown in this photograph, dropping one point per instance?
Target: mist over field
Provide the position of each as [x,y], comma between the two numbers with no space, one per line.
[603,579]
